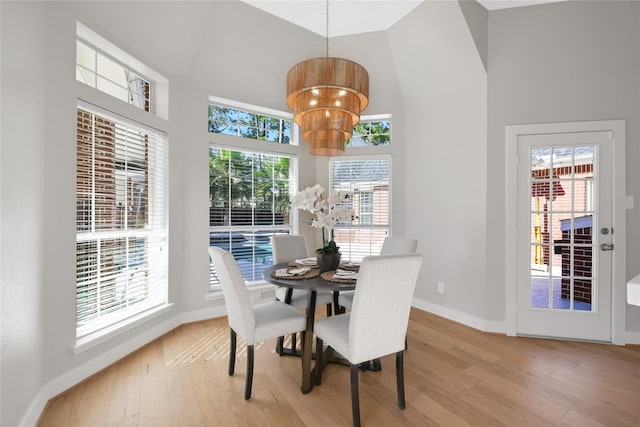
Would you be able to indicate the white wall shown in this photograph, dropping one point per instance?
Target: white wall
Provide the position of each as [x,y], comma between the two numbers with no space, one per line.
[577,61]
[203,48]
[23,208]
[385,97]
[443,85]
[568,61]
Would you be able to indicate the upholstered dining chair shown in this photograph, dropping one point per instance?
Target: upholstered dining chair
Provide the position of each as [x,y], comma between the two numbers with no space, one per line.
[252,323]
[373,328]
[392,245]
[286,248]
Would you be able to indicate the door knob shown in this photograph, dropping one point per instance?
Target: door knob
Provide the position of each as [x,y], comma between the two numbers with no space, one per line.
[606,247]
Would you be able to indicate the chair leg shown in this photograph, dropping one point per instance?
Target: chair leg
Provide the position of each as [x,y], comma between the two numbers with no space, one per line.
[372,365]
[376,365]
[329,310]
[280,346]
[319,346]
[294,341]
[280,343]
[336,306]
[355,398]
[232,352]
[249,381]
[400,378]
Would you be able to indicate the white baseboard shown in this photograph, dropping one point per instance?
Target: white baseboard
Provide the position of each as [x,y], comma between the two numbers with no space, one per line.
[633,338]
[460,317]
[80,373]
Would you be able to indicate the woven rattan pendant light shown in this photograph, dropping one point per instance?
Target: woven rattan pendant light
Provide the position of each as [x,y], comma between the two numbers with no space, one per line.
[327,96]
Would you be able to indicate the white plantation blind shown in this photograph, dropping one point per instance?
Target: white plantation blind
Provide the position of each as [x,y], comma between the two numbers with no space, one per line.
[368,182]
[248,204]
[121,220]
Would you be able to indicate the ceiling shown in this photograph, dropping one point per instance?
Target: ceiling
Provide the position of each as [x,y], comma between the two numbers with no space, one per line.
[357,16]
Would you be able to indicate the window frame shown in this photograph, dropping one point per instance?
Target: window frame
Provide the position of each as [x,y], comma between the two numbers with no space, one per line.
[159,92]
[243,107]
[154,121]
[369,146]
[239,143]
[385,229]
[99,73]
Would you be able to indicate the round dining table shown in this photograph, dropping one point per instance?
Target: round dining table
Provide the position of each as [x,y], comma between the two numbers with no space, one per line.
[312,284]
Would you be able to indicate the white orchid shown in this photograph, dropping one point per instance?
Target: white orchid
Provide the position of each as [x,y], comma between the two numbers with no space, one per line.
[327,210]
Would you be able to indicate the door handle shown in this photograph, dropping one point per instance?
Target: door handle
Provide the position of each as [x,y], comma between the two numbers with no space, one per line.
[606,247]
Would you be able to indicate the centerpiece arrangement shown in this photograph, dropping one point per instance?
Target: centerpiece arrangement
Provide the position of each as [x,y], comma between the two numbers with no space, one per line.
[327,211]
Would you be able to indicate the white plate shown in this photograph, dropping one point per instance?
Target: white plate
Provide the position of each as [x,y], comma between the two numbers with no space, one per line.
[345,273]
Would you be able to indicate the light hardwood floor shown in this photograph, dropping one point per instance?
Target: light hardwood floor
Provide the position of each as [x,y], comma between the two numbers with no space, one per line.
[454,376]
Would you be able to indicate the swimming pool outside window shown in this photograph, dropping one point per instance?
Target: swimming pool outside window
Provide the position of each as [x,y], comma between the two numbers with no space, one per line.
[248,203]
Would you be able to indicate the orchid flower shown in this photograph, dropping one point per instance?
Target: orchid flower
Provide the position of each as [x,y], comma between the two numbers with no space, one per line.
[327,210]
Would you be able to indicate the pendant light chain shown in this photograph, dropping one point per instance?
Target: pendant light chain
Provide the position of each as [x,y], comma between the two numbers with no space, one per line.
[327,38]
[327,96]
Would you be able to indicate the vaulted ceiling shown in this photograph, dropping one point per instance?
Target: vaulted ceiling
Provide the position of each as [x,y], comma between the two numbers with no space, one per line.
[358,16]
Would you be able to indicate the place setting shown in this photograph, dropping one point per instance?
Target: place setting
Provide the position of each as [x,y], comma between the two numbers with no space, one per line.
[350,265]
[310,262]
[295,273]
[340,275]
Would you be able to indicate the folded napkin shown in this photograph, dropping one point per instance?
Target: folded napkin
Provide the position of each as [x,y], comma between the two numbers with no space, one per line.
[291,272]
[307,261]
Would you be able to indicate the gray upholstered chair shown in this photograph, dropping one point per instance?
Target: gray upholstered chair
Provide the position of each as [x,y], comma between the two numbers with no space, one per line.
[253,323]
[286,248]
[390,246]
[374,328]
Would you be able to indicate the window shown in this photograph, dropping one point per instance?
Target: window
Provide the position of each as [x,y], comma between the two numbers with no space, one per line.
[249,203]
[368,181]
[121,217]
[249,188]
[371,132]
[236,122]
[121,190]
[104,73]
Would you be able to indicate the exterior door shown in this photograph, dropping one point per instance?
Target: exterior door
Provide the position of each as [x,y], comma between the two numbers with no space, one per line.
[564,242]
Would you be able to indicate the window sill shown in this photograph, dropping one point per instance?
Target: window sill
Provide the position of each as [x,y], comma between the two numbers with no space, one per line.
[92,340]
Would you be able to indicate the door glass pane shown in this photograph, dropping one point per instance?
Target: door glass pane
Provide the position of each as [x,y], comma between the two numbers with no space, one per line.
[561,294]
[539,291]
[562,195]
[583,294]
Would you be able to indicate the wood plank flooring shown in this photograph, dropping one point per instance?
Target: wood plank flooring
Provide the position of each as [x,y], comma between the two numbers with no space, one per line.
[454,376]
